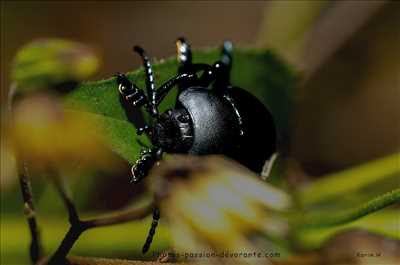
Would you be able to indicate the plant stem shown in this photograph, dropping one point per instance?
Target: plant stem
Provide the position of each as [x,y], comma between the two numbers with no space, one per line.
[73,234]
[121,217]
[78,226]
[64,192]
[35,249]
[349,180]
[315,220]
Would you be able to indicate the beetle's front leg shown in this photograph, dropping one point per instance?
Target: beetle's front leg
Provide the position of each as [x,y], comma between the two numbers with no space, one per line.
[143,165]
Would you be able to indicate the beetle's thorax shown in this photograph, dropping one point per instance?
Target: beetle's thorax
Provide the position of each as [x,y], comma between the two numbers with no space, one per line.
[173,131]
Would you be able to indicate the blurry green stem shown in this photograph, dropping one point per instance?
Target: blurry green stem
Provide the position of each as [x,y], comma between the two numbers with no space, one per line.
[307,33]
[35,249]
[314,220]
[349,180]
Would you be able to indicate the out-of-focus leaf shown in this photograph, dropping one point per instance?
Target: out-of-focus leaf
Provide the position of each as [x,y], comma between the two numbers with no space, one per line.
[351,180]
[329,202]
[46,62]
[41,132]
[342,216]
[8,166]
[384,222]
[260,72]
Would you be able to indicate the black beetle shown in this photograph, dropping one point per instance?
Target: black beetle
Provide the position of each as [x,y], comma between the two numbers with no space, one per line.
[210,116]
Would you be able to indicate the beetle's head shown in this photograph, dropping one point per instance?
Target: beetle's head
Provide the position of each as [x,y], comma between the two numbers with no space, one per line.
[173,131]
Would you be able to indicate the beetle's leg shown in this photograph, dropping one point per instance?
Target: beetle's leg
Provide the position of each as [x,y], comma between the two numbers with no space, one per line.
[223,67]
[152,231]
[207,77]
[184,55]
[177,80]
[151,89]
[143,165]
[219,73]
[131,92]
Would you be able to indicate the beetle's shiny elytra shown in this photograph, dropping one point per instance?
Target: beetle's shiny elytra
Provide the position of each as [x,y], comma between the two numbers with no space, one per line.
[210,115]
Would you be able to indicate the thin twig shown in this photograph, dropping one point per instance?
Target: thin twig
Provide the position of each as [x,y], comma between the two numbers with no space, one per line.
[35,249]
[122,217]
[73,234]
[78,226]
[65,195]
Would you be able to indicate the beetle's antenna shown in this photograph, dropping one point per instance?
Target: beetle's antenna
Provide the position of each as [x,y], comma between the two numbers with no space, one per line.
[151,89]
[152,231]
[184,54]
[131,92]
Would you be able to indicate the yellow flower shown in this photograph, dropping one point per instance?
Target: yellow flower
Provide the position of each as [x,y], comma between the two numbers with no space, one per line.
[214,205]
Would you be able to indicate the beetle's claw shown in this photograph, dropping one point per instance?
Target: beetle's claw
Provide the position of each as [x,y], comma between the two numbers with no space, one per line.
[136,178]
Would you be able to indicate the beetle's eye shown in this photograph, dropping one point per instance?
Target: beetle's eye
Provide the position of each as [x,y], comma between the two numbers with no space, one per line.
[126,88]
[122,89]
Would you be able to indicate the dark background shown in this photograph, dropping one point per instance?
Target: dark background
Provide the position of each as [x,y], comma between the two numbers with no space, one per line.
[114,27]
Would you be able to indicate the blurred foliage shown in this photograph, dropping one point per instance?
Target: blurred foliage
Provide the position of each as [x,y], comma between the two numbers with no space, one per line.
[286,24]
[336,202]
[43,135]
[384,222]
[335,186]
[348,113]
[48,62]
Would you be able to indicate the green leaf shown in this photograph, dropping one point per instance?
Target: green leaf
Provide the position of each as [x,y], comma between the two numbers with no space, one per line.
[260,72]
